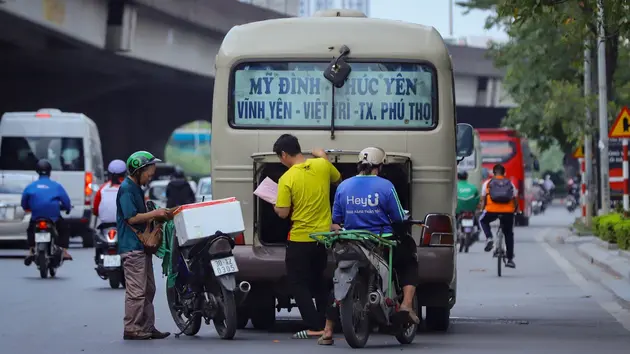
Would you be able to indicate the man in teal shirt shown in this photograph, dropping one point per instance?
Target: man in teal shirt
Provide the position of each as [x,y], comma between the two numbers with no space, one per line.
[137,265]
[467,196]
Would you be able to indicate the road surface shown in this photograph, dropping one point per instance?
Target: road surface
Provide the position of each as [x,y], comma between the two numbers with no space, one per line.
[544,305]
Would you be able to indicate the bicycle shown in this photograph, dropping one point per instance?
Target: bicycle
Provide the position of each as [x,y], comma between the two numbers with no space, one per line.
[499,249]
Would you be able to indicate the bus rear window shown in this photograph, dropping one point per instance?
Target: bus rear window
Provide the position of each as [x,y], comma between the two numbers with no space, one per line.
[22,153]
[391,96]
[497,151]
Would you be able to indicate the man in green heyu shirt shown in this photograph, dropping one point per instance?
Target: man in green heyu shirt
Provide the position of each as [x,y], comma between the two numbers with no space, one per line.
[467,196]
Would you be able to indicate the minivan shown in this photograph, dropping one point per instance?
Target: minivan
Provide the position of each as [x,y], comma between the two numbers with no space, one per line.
[71,143]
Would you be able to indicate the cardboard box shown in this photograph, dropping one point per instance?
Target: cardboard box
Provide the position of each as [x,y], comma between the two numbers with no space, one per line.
[197,221]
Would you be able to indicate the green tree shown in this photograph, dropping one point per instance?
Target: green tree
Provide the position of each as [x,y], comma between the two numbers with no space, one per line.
[544,62]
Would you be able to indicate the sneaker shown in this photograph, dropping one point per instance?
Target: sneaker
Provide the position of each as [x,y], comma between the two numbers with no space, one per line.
[489,245]
[510,264]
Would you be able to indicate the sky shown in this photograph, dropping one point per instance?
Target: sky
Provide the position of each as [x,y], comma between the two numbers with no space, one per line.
[435,13]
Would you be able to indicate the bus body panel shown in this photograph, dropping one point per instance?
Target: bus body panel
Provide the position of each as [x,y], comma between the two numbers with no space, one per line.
[318,39]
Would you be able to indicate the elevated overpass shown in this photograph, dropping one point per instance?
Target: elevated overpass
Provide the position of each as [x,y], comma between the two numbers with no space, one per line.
[141,68]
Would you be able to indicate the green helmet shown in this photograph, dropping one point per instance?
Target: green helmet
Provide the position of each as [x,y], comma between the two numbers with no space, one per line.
[140,159]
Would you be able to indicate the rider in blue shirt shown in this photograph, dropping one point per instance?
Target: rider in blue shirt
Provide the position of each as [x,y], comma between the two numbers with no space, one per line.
[370,202]
[46,198]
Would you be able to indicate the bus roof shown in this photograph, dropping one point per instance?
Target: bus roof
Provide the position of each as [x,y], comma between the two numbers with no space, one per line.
[322,36]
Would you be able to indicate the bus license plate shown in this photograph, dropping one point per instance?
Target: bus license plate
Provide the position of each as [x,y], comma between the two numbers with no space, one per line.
[467,223]
[42,237]
[111,261]
[224,266]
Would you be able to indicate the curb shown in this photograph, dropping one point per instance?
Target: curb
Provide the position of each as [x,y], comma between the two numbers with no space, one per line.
[601,253]
[600,258]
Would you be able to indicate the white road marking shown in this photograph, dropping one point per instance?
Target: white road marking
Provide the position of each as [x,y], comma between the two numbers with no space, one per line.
[613,308]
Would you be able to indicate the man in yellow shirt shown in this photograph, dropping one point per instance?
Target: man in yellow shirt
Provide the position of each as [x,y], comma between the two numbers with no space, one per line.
[304,195]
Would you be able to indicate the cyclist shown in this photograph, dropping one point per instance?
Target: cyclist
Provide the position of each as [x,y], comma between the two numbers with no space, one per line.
[467,196]
[499,201]
[46,198]
[369,202]
[105,199]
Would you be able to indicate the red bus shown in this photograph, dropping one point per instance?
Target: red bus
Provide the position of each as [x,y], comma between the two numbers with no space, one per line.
[506,147]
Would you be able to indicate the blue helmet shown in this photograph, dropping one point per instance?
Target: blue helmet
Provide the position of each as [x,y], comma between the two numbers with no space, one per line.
[117,167]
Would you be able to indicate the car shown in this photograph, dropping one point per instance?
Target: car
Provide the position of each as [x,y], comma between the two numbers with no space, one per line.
[71,143]
[156,192]
[204,189]
[13,219]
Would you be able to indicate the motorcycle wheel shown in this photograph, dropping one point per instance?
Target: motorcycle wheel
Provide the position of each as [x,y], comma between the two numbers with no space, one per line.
[462,244]
[42,262]
[408,332]
[354,319]
[226,326]
[468,242]
[114,280]
[172,298]
[52,272]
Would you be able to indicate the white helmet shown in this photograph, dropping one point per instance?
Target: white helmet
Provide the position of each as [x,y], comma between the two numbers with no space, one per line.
[373,156]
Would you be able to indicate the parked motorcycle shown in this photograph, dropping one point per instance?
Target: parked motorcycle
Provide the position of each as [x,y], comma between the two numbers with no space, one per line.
[48,256]
[108,263]
[205,286]
[366,287]
[466,228]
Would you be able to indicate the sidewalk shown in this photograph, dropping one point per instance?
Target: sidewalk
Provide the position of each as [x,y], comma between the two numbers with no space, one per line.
[604,255]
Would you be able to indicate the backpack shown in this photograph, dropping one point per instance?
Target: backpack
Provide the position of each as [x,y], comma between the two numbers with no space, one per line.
[501,190]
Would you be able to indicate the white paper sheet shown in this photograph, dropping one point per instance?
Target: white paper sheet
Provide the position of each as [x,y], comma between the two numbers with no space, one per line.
[267,190]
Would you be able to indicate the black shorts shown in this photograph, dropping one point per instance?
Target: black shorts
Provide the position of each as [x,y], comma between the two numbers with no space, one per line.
[406,261]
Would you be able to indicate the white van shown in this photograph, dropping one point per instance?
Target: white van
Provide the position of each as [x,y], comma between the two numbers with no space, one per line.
[70,142]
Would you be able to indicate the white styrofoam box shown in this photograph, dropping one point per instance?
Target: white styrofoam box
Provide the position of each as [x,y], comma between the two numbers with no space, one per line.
[197,221]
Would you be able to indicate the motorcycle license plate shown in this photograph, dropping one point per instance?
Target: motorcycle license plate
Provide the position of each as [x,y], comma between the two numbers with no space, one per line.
[224,266]
[42,237]
[467,223]
[111,261]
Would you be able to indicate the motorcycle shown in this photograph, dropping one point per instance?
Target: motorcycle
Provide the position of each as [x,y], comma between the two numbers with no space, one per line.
[570,203]
[205,286]
[466,223]
[108,263]
[537,206]
[48,256]
[366,287]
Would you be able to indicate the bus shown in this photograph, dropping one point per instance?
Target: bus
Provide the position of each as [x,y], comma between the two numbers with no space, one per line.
[394,94]
[505,146]
[473,164]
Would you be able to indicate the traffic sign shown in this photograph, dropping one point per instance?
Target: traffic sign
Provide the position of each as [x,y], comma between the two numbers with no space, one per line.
[621,126]
[578,153]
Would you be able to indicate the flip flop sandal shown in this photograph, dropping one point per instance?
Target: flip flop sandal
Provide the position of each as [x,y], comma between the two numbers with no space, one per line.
[303,335]
[325,341]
